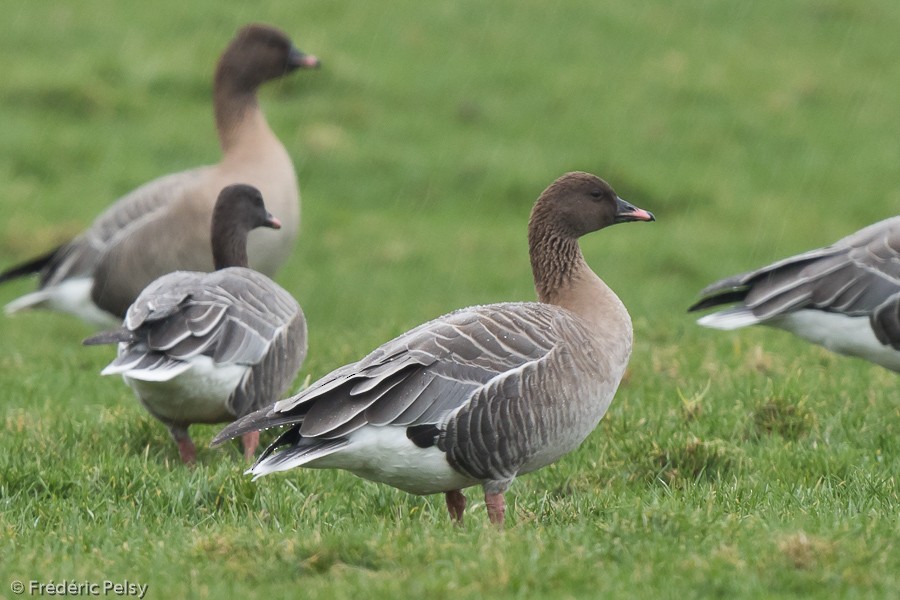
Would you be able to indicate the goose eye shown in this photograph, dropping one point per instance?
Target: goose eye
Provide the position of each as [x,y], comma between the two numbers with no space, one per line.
[596,193]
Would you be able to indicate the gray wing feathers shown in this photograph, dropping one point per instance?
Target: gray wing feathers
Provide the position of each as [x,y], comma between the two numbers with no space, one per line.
[500,428]
[82,255]
[438,397]
[451,358]
[424,374]
[234,316]
[271,377]
[853,276]
[140,364]
[145,199]
[220,314]
[529,416]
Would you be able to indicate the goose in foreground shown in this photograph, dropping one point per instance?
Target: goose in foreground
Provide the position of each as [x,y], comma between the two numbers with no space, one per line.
[480,395]
[163,226]
[211,347]
[845,297]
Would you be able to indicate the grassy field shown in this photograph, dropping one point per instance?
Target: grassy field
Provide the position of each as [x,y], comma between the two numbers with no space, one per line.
[741,465]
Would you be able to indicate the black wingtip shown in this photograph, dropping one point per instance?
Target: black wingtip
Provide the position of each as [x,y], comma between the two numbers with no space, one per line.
[35,265]
[260,420]
[729,297]
[236,428]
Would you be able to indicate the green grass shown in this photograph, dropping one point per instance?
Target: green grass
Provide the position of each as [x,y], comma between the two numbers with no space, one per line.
[729,465]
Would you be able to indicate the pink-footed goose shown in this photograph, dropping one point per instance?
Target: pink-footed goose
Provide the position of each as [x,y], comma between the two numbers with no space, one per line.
[845,297]
[202,347]
[163,225]
[483,394]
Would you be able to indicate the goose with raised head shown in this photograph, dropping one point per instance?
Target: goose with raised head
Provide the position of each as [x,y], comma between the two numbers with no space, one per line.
[845,297]
[164,225]
[481,395]
[210,347]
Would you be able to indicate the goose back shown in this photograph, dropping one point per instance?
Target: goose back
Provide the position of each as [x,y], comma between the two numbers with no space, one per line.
[232,316]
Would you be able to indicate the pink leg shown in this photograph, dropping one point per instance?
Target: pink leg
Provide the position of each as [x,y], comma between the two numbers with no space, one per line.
[456,504]
[187,451]
[496,508]
[185,446]
[251,441]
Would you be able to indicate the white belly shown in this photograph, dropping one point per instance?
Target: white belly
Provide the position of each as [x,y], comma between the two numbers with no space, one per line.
[839,333]
[198,395]
[386,455]
[72,296]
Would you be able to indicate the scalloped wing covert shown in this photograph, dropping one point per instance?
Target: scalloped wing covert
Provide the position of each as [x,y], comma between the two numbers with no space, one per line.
[234,316]
[418,377]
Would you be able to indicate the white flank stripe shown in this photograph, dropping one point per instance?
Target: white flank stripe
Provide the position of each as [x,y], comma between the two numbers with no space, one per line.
[733,318]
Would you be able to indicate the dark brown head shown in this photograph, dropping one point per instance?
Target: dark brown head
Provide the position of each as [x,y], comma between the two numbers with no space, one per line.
[239,210]
[578,203]
[573,205]
[259,53]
